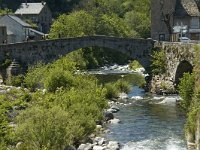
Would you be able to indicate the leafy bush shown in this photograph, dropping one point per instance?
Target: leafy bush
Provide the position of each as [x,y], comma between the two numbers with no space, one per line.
[112,91]
[186,89]
[15,80]
[134,65]
[41,128]
[158,62]
[123,86]
[56,79]
[34,76]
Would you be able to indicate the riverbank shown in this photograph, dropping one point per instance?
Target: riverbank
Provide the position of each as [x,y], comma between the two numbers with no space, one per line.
[131,131]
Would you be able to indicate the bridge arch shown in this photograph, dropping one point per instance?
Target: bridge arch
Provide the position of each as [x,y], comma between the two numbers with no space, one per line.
[183,67]
[29,53]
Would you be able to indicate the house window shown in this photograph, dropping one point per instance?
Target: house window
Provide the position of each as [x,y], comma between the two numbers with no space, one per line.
[161,37]
[194,23]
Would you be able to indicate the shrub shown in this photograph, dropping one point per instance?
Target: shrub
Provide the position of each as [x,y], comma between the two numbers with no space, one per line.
[34,76]
[112,91]
[56,79]
[186,89]
[134,65]
[15,80]
[123,86]
[41,128]
[158,62]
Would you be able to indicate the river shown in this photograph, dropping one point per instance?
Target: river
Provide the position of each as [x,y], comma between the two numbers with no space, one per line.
[148,122]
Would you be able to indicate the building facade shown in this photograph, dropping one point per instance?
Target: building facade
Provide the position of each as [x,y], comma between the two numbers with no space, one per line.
[19,31]
[38,13]
[174,19]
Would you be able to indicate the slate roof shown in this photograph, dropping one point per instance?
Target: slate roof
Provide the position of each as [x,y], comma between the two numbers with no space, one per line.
[17,19]
[30,8]
[187,8]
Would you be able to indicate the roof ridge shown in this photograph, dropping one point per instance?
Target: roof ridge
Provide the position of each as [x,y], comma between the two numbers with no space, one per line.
[11,16]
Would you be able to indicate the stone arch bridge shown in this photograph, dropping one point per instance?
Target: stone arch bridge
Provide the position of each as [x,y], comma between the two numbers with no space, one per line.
[28,53]
[180,58]
[179,55]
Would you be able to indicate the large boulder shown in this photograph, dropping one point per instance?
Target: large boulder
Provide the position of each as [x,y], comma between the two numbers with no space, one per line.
[108,115]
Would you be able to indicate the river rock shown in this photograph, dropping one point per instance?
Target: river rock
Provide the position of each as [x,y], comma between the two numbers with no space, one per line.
[108,115]
[114,121]
[99,122]
[112,110]
[70,148]
[98,126]
[99,141]
[113,145]
[87,146]
[98,147]
[115,108]
[137,97]
[123,96]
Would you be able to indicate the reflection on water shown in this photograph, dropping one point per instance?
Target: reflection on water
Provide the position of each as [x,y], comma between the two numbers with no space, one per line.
[147,125]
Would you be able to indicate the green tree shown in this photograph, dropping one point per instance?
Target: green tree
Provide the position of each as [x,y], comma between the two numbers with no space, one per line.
[5,11]
[139,22]
[79,23]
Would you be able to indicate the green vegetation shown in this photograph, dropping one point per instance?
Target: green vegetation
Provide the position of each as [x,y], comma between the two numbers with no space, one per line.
[158,62]
[123,86]
[15,80]
[60,106]
[113,89]
[65,114]
[82,23]
[5,11]
[189,89]
[134,65]
[186,89]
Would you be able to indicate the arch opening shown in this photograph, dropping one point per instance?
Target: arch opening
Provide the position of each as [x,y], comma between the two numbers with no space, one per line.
[183,67]
[104,56]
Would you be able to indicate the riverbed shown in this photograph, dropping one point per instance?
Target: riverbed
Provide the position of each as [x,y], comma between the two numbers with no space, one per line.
[148,122]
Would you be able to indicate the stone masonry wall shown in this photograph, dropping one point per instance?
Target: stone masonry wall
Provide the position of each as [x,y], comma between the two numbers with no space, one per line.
[29,53]
[175,54]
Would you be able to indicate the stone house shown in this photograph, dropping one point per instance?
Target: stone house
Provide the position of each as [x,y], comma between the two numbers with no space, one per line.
[18,30]
[3,34]
[38,13]
[172,19]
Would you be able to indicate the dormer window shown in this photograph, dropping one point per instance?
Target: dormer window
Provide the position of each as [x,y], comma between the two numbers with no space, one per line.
[194,23]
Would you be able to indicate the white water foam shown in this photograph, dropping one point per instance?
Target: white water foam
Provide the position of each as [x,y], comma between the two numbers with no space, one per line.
[154,144]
